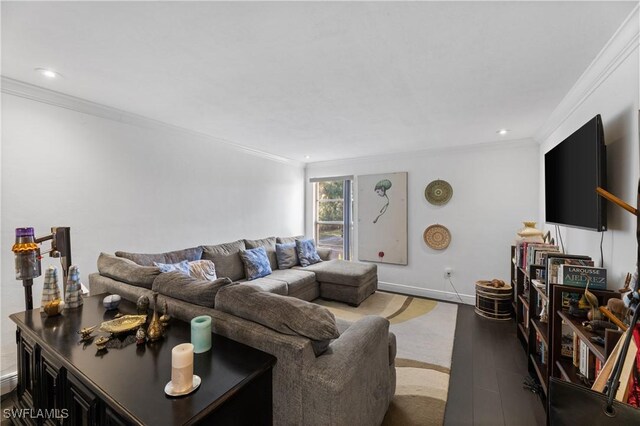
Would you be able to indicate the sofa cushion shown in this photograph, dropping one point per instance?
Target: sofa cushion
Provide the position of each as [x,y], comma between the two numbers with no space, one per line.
[256,263]
[287,255]
[128,271]
[343,272]
[269,245]
[190,254]
[203,270]
[324,253]
[307,253]
[269,285]
[289,240]
[287,315]
[226,257]
[180,286]
[297,279]
[293,277]
[170,267]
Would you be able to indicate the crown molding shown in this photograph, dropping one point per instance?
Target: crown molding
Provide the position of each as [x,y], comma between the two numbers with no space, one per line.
[624,42]
[24,90]
[402,155]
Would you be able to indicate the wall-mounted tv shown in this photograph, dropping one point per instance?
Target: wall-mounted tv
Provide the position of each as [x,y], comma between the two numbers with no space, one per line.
[573,170]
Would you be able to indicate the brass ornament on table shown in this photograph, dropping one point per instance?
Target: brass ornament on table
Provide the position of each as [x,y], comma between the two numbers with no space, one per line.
[155,331]
[123,324]
[165,318]
[53,308]
[85,333]
[142,305]
[101,342]
[141,336]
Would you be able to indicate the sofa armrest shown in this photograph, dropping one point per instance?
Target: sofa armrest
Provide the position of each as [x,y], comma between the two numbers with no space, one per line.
[351,383]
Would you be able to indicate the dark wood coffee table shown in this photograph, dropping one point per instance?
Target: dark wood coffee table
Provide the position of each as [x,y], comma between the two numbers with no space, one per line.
[80,385]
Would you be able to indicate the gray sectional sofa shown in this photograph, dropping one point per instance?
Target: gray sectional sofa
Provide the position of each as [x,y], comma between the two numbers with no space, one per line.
[345,379]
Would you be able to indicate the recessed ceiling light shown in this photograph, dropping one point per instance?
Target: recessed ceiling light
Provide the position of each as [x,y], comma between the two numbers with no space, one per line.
[48,73]
[307,157]
[502,132]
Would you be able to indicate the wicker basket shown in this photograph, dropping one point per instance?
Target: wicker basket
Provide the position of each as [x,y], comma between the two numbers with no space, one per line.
[493,302]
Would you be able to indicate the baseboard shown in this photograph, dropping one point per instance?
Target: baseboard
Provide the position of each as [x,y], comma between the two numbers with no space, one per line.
[446,296]
[9,382]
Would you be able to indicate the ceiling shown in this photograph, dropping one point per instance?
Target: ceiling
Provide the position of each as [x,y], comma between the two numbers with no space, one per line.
[324,80]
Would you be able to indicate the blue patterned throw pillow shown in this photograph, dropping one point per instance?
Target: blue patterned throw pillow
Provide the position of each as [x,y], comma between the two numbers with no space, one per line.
[287,255]
[256,263]
[307,253]
[170,267]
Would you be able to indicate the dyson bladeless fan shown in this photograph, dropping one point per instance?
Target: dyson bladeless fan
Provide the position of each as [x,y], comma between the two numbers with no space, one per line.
[28,256]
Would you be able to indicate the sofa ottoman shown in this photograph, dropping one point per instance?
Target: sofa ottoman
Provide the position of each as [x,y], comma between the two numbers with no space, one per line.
[349,282]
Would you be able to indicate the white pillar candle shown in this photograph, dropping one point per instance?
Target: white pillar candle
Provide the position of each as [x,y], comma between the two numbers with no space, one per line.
[182,367]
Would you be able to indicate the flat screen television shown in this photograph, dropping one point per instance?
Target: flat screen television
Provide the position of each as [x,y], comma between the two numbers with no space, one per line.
[573,170]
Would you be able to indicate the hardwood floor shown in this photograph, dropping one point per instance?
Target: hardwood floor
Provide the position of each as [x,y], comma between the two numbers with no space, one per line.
[488,368]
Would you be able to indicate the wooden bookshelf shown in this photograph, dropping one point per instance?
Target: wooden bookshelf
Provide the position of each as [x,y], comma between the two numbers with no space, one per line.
[541,329]
[542,341]
[583,334]
[540,286]
[568,371]
[563,367]
[541,372]
[538,348]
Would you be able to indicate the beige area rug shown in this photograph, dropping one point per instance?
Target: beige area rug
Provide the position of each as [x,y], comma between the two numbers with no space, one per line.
[424,330]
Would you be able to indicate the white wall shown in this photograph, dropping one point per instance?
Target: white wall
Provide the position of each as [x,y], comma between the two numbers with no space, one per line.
[495,188]
[609,88]
[129,187]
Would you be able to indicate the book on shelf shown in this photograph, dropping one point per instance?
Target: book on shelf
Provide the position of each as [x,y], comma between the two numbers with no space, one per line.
[553,262]
[532,249]
[523,251]
[568,297]
[566,342]
[587,361]
[576,350]
[539,254]
[541,349]
[579,276]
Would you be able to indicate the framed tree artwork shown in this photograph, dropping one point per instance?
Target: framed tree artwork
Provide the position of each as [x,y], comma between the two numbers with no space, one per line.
[382,218]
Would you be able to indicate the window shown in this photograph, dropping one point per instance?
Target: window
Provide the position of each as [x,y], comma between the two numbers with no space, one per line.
[332,221]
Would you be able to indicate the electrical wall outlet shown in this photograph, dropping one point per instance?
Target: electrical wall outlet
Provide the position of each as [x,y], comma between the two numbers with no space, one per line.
[448,272]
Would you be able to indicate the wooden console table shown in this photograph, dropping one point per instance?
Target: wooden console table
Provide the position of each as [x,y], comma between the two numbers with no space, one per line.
[59,375]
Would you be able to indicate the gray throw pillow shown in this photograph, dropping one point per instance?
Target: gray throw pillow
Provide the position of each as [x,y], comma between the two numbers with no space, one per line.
[127,271]
[288,240]
[226,257]
[190,254]
[307,253]
[284,314]
[256,263]
[269,245]
[287,255]
[183,287]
